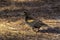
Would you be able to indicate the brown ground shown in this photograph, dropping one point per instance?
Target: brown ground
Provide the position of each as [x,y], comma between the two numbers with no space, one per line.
[14,27]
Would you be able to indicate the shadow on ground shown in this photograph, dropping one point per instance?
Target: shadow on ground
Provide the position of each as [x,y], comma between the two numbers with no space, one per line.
[51,30]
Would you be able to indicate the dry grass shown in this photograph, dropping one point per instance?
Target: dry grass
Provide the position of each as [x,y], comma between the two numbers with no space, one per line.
[20,30]
[17,26]
[14,31]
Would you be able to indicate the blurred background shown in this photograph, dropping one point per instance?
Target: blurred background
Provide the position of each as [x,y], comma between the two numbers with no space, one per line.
[13,24]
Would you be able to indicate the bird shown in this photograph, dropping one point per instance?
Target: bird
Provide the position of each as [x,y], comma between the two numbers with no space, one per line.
[35,24]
